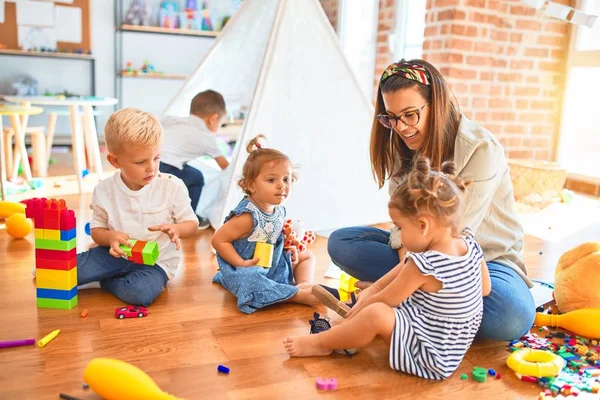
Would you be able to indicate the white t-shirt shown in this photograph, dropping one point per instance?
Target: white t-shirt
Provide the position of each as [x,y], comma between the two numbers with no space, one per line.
[187,138]
[164,200]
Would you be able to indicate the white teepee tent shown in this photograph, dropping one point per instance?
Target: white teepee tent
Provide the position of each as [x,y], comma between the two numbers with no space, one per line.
[283,59]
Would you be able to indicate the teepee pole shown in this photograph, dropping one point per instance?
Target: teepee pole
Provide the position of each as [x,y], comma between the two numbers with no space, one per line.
[256,98]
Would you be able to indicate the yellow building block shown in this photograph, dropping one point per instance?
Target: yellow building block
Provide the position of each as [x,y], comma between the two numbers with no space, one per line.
[52,234]
[39,233]
[347,283]
[56,279]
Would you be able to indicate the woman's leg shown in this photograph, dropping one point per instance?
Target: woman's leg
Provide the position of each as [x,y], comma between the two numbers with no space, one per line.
[362,252]
[375,320]
[509,310]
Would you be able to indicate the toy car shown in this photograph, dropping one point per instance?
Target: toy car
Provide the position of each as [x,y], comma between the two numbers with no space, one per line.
[131,312]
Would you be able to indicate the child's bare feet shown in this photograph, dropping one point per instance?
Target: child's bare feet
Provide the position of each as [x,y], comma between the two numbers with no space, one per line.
[305,346]
[305,296]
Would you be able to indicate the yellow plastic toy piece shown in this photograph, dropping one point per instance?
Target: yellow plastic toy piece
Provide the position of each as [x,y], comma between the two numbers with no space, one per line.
[347,283]
[52,234]
[46,339]
[264,251]
[115,379]
[56,279]
[583,322]
[538,363]
[8,208]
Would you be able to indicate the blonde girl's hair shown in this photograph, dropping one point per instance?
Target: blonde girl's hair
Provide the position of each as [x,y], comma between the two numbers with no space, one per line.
[258,156]
[436,193]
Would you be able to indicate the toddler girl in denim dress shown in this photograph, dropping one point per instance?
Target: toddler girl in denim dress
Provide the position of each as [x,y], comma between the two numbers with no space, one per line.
[267,181]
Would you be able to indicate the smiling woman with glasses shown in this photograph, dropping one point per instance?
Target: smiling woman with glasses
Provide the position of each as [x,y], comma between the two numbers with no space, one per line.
[416,115]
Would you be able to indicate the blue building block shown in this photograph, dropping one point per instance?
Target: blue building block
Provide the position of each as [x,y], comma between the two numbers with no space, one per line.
[68,235]
[57,294]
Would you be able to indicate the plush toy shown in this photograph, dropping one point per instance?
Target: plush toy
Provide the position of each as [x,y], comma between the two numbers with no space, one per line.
[295,235]
[577,278]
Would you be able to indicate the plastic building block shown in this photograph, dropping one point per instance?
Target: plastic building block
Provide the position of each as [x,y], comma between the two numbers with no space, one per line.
[347,283]
[326,384]
[223,369]
[88,231]
[84,314]
[464,377]
[67,220]
[63,265]
[491,372]
[56,279]
[52,234]
[59,245]
[48,338]
[141,252]
[55,254]
[39,233]
[57,294]
[59,304]
[67,235]
[479,374]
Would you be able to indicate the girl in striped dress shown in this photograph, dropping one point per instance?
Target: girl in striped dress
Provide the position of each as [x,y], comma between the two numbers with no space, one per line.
[429,307]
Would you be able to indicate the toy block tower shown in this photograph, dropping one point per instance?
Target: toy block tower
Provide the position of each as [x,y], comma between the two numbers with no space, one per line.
[141,252]
[346,286]
[55,253]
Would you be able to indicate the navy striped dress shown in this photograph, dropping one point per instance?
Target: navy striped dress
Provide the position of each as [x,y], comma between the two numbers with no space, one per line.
[434,330]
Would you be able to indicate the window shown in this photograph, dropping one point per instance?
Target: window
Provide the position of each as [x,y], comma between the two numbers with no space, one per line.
[407,41]
[580,128]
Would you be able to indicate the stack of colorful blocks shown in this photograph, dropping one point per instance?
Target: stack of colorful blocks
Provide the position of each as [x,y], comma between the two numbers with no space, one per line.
[346,286]
[141,252]
[55,253]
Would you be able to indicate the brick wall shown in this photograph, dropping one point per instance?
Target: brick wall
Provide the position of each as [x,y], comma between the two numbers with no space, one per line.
[331,8]
[386,26]
[506,67]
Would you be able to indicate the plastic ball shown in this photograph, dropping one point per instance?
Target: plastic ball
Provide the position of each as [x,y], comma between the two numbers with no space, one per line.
[87,229]
[18,226]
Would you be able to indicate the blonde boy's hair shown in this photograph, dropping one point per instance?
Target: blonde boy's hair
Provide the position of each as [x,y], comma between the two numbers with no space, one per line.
[133,128]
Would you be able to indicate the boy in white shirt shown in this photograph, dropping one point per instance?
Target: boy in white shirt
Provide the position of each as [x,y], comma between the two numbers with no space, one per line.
[136,202]
[187,138]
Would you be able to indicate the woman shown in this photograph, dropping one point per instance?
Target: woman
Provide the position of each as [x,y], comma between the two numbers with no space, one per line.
[416,115]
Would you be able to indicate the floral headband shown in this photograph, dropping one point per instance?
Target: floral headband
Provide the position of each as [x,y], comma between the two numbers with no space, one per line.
[413,72]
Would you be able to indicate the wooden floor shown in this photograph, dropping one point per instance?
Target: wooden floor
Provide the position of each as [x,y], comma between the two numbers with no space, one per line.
[194,326]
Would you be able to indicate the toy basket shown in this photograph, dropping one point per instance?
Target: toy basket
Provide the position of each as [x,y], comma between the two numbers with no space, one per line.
[540,177]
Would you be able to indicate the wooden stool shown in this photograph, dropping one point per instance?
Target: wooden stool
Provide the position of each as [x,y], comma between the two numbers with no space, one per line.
[38,146]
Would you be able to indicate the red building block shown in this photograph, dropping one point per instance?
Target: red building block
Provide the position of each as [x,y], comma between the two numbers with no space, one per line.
[67,220]
[63,265]
[55,254]
[136,252]
[52,210]
[35,210]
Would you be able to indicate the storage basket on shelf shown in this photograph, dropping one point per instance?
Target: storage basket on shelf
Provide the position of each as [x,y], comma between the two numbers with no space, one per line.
[540,177]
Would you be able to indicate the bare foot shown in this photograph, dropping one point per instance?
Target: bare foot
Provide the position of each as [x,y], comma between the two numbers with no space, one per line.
[305,346]
[304,285]
[305,296]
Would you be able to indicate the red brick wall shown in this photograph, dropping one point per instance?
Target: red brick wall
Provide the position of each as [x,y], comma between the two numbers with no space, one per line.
[506,67]
[386,26]
[331,8]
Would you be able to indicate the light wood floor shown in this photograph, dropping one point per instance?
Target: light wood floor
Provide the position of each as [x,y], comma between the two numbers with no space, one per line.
[194,326]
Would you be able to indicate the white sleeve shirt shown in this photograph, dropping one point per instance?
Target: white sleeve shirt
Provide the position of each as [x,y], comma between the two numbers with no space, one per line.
[187,138]
[165,200]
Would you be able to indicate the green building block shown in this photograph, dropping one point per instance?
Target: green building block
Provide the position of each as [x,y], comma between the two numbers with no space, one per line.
[58,304]
[60,245]
[126,249]
[150,253]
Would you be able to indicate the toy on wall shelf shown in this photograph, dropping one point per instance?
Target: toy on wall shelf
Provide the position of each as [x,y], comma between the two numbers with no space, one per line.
[206,24]
[116,379]
[147,69]
[131,312]
[583,322]
[168,14]
[55,252]
[141,252]
[139,13]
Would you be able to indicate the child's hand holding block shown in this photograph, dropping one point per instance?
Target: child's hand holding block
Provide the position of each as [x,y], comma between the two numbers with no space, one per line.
[141,252]
[264,251]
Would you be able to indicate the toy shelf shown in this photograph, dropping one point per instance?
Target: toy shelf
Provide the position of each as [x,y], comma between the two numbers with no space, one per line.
[168,31]
[154,76]
[75,56]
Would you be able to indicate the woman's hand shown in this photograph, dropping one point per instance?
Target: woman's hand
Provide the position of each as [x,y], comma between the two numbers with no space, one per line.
[116,239]
[169,229]
[365,297]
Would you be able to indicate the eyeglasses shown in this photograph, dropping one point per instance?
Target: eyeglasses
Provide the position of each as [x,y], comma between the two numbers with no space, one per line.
[408,118]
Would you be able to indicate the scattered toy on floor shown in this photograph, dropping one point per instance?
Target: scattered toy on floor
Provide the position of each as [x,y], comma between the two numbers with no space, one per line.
[131,312]
[18,226]
[84,313]
[16,343]
[577,278]
[48,338]
[223,369]
[326,384]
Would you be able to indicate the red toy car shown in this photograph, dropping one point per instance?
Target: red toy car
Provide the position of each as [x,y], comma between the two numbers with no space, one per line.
[131,312]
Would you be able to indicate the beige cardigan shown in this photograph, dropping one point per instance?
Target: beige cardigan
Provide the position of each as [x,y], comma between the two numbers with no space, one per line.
[489,202]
